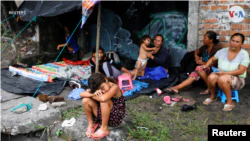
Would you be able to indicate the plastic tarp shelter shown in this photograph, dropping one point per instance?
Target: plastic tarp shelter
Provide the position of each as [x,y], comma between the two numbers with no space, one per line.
[46,8]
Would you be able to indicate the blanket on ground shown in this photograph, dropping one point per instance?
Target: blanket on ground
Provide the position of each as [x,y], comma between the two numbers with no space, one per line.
[150,90]
[22,85]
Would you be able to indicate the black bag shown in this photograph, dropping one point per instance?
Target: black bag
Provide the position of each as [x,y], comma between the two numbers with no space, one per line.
[188,63]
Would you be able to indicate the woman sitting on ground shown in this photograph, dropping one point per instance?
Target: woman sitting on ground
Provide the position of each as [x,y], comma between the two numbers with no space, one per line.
[201,55]
[232,64]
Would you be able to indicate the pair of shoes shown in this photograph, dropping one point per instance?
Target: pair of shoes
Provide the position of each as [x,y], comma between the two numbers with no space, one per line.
[178,99]
[167,100]
[228,107]
[171,90]
[208,101]
[99,134]
[55,99]
[206,92]
[74,84]
[90,131]
[188,107]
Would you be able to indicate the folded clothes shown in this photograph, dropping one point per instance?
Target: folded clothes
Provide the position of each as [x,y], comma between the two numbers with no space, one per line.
[75,93]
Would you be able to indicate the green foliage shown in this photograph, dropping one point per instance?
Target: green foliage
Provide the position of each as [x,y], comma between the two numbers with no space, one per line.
[1,29]
[59,132]
[40,127]
[7,33]
[146,127]
[75,112]
[40,60]
[18,58]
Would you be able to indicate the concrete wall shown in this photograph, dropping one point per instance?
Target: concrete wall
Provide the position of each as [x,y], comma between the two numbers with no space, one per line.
[213,16]
[193,13]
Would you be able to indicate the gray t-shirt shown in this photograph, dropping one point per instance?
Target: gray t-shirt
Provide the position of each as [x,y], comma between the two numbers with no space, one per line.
[226,65]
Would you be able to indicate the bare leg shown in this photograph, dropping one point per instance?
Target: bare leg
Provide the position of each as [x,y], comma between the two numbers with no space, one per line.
[185,83]
[224,82]
[106,108]
[203,76]
[143,69]
[211,83]
[90,107]
[137,69]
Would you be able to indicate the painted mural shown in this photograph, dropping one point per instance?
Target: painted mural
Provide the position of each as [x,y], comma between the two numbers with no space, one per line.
[172,25]
[113,36]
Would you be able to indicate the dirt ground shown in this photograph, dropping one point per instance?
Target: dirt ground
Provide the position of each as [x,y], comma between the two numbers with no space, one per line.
[191,125]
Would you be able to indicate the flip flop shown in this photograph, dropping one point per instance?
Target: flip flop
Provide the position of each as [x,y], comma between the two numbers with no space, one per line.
[228,107]
[167,100]
[100,134]
[177,99]
[185,99]
[171,91]
[206,92]
[208,101]
[90,131]
[159,91]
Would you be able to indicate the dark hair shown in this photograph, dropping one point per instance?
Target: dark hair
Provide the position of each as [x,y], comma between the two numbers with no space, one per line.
[160,36]
[144,37]
[96,79]
[239,34]
[212,35]
[94,49]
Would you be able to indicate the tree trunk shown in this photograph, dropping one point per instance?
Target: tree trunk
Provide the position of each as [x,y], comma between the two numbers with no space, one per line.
[10,24]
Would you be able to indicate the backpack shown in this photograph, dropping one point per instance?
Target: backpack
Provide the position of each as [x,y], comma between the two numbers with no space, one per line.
[188,63]
[113,56]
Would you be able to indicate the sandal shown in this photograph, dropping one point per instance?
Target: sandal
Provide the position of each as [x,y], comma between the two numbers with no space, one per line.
[206,92]
[208,101]
[171,91]
[99,134]
[177,99]
[90,131]
[159,91]
[228,107]
[167,100]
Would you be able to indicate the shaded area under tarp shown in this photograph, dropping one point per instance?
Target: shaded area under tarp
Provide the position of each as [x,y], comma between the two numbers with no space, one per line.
[26,86]
[47,8]
[163,83]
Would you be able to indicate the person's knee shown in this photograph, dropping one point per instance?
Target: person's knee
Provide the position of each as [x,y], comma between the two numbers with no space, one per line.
[106,103]
[212,77]
[86,100]
[224,79]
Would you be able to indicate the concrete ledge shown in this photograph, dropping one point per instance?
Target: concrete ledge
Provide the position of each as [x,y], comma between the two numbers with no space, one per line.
[29,121]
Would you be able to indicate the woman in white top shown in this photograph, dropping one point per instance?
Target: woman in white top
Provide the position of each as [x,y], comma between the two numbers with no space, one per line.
[232,64]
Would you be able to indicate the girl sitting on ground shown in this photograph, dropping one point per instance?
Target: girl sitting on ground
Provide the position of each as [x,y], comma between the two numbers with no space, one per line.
[104,103]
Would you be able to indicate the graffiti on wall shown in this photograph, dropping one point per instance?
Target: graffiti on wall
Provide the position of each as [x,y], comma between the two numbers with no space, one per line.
[172,25]
[132,11]
[113,36]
